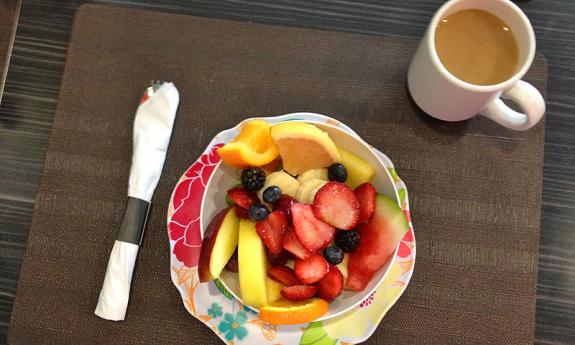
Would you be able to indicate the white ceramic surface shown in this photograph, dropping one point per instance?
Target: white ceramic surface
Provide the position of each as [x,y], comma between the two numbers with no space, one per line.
[444,96]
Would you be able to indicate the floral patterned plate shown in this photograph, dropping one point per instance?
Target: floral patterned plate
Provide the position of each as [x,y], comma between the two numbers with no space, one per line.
[235,323]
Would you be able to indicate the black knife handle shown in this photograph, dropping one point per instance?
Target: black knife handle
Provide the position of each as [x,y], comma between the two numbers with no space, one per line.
[134,221]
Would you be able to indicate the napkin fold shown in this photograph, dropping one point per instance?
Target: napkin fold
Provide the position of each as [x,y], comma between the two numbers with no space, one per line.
[152,131]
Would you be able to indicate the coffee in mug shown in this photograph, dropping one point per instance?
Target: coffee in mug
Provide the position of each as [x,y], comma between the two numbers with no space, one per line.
[477,47]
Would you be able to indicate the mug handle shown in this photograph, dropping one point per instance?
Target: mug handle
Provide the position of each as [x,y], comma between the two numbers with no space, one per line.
[527,97]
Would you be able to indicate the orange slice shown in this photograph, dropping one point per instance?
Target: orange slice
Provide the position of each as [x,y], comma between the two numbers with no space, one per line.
[284,312]
[303,147]
[252,147]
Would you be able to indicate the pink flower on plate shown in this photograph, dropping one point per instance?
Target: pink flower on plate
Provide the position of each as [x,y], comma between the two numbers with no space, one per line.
[184,226]
[408,237]
[407,215]
[406,244]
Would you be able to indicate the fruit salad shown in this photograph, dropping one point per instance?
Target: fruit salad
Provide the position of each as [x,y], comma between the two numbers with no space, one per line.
[303,223]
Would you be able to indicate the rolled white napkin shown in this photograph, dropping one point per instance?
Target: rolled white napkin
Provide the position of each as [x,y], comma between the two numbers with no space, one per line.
[152,131]
[115,292]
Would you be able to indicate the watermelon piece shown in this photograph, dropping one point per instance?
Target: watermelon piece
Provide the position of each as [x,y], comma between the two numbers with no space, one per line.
[379,239]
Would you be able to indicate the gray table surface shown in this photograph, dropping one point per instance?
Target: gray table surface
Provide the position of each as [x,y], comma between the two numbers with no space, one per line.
[39,54]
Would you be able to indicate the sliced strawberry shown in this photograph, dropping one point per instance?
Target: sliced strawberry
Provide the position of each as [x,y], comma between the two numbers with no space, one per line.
[336,204]
[294,246]
[298,292]
[242,213]
[232,264]
[284,203]
[331,285]
[313,234]
[242,197]
[365,194]
[284,275]
[280,259]
[272,230]
[311,270]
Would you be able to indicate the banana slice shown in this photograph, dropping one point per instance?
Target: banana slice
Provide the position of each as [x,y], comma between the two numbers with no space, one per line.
[343,267]
[306,191]
[313,174]
[287,184]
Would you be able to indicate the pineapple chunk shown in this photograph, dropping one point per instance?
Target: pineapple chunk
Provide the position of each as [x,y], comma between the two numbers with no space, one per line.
[358,170]
[343,267]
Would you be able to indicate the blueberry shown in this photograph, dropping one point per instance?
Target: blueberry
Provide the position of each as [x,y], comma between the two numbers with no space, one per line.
[347,240]
[333,255]
[337,172]
[258,212]
[272,194]
[253,179]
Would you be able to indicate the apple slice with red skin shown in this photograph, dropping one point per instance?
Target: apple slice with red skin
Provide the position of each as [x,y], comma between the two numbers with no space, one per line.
[380,237]
[218,245]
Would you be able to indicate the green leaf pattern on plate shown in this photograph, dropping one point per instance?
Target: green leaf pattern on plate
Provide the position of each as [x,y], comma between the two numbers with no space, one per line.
[314,334]
[222,289]
[402,192]
[393,174]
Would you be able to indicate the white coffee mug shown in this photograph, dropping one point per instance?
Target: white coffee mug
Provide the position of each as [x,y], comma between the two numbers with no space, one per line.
[442,95]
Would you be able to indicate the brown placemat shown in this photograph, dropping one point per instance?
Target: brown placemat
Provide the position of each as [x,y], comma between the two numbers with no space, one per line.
[475,187]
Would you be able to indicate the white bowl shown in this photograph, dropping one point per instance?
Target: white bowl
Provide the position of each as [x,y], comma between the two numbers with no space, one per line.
[225,177]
